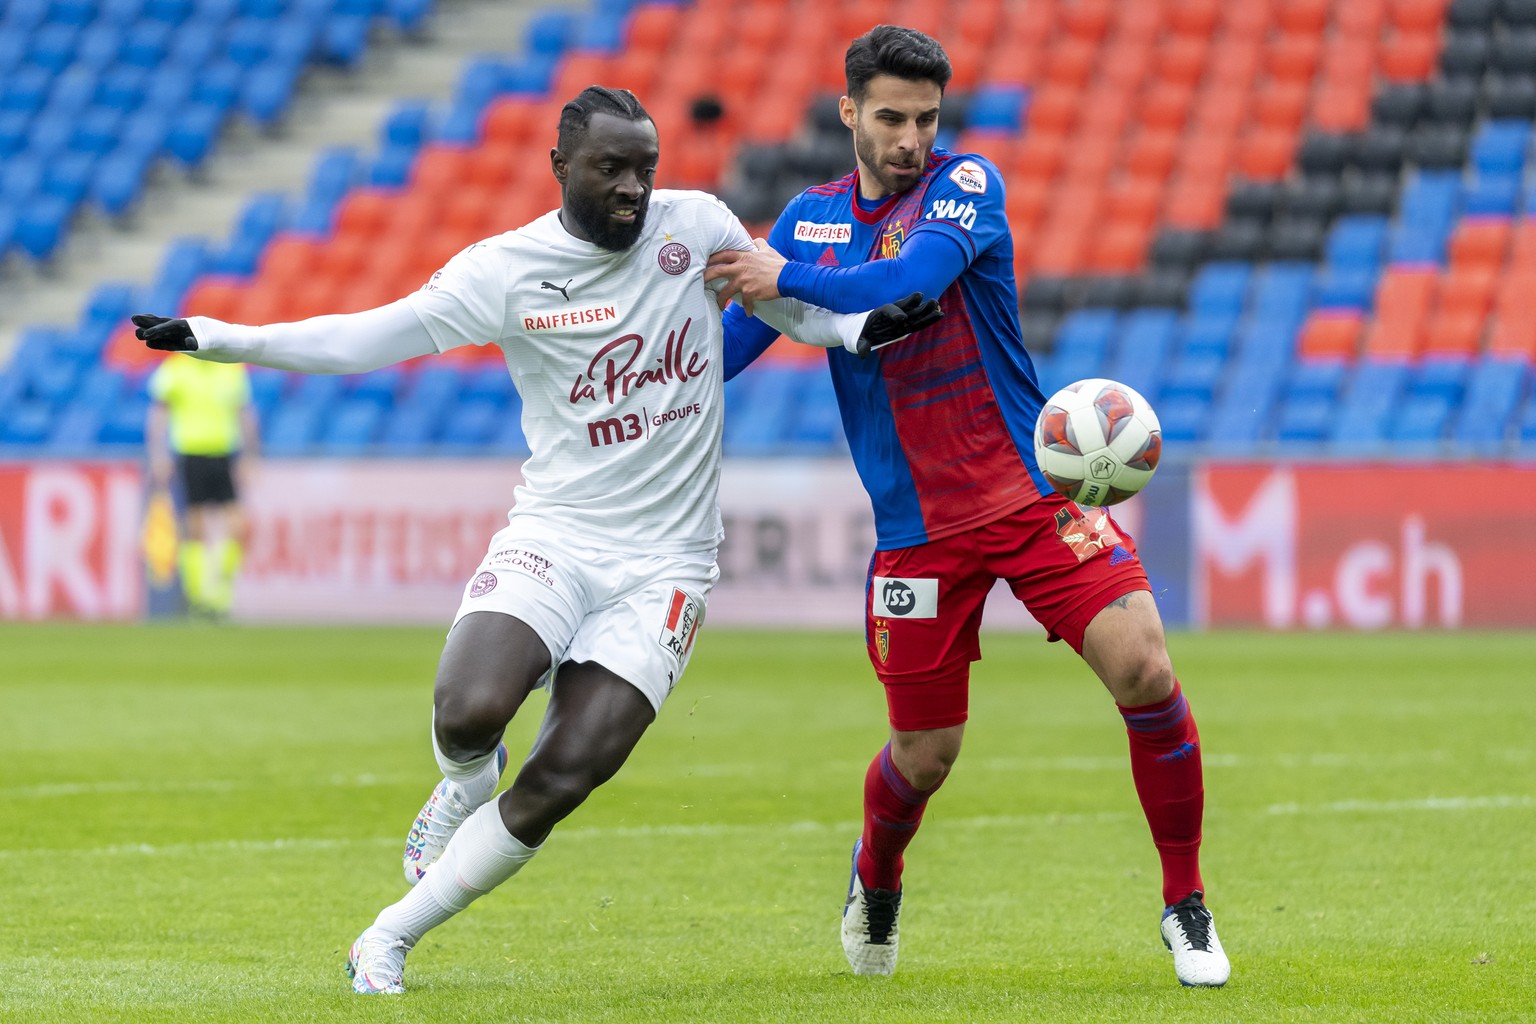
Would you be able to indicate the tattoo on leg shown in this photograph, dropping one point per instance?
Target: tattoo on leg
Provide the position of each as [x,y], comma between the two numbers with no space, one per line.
[1123,601]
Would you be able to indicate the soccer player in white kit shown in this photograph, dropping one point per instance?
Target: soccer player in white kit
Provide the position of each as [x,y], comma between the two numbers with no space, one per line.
[597,585]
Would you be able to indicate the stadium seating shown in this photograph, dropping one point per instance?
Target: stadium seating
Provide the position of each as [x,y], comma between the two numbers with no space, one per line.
[1299,226]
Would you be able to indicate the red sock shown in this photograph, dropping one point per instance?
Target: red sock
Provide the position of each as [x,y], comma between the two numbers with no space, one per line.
[1165,762]
[892,812]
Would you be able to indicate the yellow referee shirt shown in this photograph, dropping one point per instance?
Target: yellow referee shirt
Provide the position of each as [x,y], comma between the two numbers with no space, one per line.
[203,401]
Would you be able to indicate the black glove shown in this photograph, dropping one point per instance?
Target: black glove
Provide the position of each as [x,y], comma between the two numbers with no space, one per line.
[168,335]
[895,320]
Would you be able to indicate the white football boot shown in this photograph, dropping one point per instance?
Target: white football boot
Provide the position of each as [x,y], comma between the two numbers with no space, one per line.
[376,964]
[869,924]
[1190,934]
[439,818]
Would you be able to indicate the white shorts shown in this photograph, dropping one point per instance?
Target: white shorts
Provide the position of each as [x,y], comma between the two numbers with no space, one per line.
[635,614]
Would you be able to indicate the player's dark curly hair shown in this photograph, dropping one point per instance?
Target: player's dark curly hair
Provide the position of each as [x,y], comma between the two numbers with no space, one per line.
[576,115]
[896,51]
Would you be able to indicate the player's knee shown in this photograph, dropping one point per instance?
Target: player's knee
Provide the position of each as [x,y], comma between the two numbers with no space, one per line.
[468,720]
[1145,676]
[546,793]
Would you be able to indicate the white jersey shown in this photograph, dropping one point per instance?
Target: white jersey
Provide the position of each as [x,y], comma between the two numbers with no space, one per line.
[618,359]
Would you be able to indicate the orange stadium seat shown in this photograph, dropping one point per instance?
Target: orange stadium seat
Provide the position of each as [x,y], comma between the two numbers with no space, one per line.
[510,120]
[1195,202]
[579,70]
[1340,106]
[1071,62]
[1351,58]
[856,17]
[1265,153]
[363,212]
[1416,15]
[1293,58]
[1249,20]
[1522,243]
[1054,109]
[651,28]
[1513,332]
[1166,105]
[1025,203]
[1140,22]
[1403,300]
[1234,66]
[1329,335]
[1152,152]
[1126,62]
[1193,17]
[1468,291]
[1305,16]
[1480,242]
[1119,246]
[1181,59]
[1059,248]
[290,258]
[1136,200]
[1088,20]
[966,58]
[1220,111]
[1281,104]
[1017,62]
[1360,18]
[1410,56]
[1453,334]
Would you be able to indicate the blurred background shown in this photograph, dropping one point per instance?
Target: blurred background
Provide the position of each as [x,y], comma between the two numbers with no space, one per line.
[1299,227]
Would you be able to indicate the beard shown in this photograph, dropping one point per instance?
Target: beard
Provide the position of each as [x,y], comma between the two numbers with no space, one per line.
[864,148]
[592,216]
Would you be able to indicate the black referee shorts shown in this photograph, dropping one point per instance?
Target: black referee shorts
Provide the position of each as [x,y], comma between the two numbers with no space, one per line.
[207,479]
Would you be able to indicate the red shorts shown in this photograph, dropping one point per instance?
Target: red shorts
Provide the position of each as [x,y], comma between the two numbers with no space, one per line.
[923,604]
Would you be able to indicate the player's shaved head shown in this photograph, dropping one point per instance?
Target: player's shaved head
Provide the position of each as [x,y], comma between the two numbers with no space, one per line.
[898,52]
[576,116]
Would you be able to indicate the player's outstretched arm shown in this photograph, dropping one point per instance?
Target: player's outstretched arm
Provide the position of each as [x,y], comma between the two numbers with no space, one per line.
[859,333]
[338,343]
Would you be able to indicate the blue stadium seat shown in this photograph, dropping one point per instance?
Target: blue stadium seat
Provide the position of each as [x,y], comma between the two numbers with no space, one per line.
[1494,387]
[409,429]
[1303,420]
[1356,242]
[351,428]
[379,387]
[471,425]
[1491,195]
[550,32]
[817,427]
[1183,418]
[1317,379]
[194,131]
[41,225]
[1086,332]
[1269,342]
[490,383]
[123,424]
[1417,426]
[1243,409]
[1142,350]
[757,404]
[266,391]
[268,90]
[1220,288]
[600,32]
[1345,287]
[26,423]
[997,107]
[1206,334]
[1444,378]
[1499,147]
[509,439]
[291,430]
[1364,414]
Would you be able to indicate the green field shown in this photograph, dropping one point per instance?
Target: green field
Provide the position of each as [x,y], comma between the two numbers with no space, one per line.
[202,819]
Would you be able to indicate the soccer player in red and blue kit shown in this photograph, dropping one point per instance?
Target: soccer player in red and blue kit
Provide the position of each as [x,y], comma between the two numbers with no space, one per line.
[941,433]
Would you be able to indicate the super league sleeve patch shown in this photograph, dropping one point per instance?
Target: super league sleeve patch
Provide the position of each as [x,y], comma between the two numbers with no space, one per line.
[970,176]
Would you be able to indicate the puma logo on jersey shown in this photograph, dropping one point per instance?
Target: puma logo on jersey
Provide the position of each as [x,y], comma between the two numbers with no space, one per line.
[557,288]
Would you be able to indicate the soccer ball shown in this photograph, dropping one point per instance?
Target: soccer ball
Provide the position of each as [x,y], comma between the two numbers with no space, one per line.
[1097,441]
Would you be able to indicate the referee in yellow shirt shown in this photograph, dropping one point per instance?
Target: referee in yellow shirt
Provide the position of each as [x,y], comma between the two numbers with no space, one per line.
[202,429]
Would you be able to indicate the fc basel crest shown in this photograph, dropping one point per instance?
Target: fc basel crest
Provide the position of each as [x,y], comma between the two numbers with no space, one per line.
[882,640]
[890,242]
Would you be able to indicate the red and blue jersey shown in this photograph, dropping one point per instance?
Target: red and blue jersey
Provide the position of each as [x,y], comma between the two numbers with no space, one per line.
[941,425]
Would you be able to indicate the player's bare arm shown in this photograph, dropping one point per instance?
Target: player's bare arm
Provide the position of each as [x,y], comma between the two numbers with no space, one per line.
[749,276]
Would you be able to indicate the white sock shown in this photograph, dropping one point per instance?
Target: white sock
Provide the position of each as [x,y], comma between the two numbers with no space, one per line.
[476,778]
[479,857]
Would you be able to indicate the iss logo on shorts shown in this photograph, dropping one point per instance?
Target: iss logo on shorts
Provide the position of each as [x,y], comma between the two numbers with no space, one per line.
[904,598]
[484,584]
[681,625]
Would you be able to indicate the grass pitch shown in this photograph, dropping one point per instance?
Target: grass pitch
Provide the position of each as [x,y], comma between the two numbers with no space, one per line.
[201,820]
